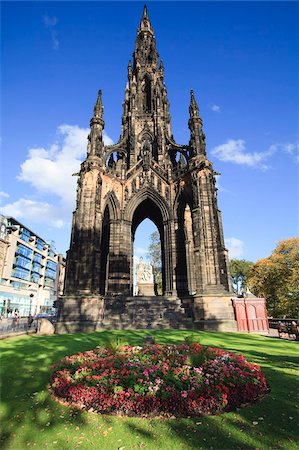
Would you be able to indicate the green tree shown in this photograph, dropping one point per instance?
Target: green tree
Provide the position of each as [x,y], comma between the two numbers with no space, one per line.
[239,269]
[277,279]
[154,256]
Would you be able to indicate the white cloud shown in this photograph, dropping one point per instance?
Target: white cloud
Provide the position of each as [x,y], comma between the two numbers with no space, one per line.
[292,149]
[4,194]
[49,171]
[35,212]
[235,247]
[235,151]
[50,23]
[215,108]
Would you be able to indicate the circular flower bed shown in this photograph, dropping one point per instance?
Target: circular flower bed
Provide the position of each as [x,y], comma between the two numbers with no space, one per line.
[182,380]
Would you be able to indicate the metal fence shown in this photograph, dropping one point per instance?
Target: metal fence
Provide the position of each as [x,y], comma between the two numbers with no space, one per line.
[12,325]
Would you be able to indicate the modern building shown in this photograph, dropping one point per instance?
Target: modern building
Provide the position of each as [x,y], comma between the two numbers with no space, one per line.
[31,270]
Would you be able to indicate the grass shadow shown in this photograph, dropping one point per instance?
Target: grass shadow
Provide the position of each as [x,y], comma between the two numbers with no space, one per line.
[31,418]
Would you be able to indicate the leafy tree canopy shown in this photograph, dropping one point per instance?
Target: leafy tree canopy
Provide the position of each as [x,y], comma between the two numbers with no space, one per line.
[239,269]
[277,279]
[154,256]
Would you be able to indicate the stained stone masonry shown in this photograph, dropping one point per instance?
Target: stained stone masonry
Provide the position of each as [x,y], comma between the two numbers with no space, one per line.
[146,174]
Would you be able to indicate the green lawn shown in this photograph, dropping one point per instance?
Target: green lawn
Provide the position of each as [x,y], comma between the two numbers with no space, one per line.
[30,418]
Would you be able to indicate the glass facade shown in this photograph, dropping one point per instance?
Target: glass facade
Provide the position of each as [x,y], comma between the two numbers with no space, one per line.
[24,250]
[25,235]
[15,302]
[50,275]
[49,282]
[39,244]
[18,285]
[51,265]
[21,261]
[37,258]
[31,270]
[35,277]
[19,272]
[36,268]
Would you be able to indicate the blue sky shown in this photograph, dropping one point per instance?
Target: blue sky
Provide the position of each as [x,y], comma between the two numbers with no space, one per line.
[241,59]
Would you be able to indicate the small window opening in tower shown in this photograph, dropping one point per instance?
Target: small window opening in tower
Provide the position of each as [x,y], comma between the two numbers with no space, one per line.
[178,159]
[147,258]
[147,95]
[113,162]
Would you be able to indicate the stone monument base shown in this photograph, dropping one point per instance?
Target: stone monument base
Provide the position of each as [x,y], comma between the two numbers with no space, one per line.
[215,312]
[145,289]
[92,313]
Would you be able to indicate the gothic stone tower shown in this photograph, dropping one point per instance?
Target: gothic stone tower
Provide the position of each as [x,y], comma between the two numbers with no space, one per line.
[146,175]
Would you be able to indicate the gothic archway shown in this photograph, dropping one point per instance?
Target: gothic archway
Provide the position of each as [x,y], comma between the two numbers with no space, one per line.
[148,210]
[107,244]
[148,204]
[185,275]
[105,247]
[146,174]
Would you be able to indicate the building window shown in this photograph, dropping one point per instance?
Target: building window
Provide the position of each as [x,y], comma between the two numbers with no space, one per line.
[25,235]
[37,258]
[36,268]
[18,272]
[49,282]
[18,285]
[21,261]
[35,277]
[50,274]
[40,244]
[24,251]
[51,265]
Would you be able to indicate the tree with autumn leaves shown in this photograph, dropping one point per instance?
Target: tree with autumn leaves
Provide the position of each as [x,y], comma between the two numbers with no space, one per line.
[277,279]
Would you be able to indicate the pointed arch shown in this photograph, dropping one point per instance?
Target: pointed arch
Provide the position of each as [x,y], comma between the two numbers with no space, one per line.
[147,94]
[185,274]
[181,200]
[111,201]
[149,204]
[105,251]
[147,194]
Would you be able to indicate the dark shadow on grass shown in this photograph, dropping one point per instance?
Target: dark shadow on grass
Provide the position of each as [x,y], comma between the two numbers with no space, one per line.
[25,374]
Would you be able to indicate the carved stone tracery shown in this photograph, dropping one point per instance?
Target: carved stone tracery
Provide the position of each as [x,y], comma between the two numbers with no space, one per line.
[146,174]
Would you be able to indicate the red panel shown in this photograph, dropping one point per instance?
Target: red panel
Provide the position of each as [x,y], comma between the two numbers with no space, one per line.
[241,314]
[251,314]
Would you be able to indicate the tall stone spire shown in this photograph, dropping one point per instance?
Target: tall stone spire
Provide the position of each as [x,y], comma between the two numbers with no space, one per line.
[98,107]
[95,138]
[197,139]
[145,118]
[193,108]
[145,53]
[146,174]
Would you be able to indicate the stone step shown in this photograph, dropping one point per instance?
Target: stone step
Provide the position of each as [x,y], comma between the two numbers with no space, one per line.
[117,324]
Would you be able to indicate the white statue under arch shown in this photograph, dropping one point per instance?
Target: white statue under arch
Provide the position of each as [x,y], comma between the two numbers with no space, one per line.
[144,278]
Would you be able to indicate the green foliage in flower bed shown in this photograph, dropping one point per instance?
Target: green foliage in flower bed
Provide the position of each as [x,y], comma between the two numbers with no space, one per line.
[31,419]
[183,380]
